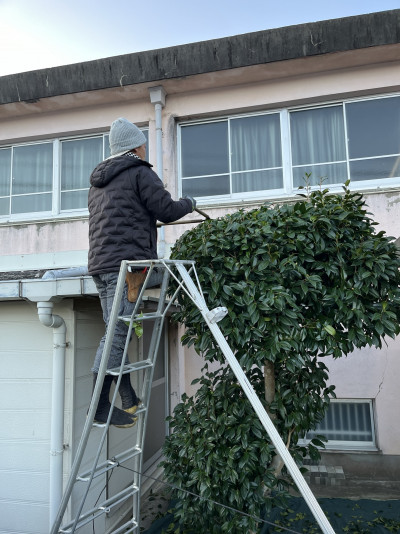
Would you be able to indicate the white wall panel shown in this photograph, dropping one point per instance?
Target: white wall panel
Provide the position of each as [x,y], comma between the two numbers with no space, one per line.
[23,517]
[26,354]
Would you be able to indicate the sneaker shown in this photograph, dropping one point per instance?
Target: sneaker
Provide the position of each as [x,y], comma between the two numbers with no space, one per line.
[119,418]
[132,410]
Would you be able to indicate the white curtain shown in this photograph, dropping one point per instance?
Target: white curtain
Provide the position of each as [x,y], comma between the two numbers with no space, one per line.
[32,169]
[5,180]
[256,147]
[5,171]
[32,178]
[318,145]
[78,159]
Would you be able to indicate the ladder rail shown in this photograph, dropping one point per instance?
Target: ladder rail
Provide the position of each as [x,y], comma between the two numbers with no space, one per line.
[147,381]
[132,525]
[99,383]
[92,410]
[257,405]
[146,386]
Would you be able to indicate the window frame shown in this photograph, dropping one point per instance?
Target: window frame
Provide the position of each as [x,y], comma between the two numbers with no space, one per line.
[350,445]
[56,212]
[231,197]
[288,190]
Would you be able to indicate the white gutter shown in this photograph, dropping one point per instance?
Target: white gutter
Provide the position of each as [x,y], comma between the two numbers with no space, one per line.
[157,97]
[46,317]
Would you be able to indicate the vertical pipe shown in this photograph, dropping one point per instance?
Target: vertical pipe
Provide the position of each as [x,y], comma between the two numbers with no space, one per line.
[157,97]
[159,144]
[46,317]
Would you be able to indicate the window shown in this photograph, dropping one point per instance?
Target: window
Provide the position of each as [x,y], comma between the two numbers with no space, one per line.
[78,159]
[348,424]
[26,178]
[269,155]
[233,156]
[374,138]
[318,147]
[49,178]
[5,180]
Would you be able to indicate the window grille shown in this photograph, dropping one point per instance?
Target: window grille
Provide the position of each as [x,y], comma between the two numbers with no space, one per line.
[347,424]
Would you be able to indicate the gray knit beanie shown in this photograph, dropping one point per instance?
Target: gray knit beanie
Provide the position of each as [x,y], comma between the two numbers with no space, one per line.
[124,136]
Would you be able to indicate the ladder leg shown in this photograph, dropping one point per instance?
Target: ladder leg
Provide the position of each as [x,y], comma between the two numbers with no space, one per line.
[256,403]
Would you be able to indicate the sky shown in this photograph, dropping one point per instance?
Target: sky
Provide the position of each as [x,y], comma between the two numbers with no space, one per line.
[37,34]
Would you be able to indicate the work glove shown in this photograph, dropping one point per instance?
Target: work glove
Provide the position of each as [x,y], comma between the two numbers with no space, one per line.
[192,200]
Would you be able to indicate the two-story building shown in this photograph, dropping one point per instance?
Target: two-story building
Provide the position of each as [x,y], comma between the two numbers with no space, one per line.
[233,122]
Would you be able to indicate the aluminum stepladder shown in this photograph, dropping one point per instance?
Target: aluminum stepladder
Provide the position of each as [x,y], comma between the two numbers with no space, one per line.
[183,272]
[135,453]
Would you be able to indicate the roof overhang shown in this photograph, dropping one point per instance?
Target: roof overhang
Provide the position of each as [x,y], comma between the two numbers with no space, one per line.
[152,67]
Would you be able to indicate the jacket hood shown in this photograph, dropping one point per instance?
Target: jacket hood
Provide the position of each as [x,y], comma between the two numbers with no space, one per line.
[108,169]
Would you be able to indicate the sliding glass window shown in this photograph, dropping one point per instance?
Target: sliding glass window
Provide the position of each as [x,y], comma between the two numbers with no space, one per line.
[270,155]
[231,157]
[348,424]
[318,146]
[45,179]
[373,130]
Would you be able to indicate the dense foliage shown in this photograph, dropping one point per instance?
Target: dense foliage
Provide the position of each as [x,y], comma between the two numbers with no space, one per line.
[301,281]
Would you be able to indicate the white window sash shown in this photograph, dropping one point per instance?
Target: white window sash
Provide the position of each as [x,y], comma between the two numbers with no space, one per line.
[288,189]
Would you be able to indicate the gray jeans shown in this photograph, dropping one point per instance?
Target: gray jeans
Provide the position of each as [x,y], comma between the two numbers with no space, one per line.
[106,285]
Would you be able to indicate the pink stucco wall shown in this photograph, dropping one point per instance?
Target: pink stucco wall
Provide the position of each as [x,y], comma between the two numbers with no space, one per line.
[260,87]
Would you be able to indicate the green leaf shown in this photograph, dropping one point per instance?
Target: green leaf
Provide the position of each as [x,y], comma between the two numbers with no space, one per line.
[331,331]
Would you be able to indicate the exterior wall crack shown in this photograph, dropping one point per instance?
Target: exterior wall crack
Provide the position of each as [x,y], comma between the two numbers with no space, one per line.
[383,376]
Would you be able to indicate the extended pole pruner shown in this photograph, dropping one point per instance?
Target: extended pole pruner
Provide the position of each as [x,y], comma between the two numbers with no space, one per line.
[188,221]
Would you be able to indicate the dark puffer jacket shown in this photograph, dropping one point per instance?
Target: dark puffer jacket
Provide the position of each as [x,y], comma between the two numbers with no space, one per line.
[126,198]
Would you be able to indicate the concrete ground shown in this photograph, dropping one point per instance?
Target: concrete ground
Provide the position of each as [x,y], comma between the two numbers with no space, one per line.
[380,490]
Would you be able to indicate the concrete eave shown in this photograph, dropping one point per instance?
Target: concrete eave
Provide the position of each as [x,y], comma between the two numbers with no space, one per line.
[157,66]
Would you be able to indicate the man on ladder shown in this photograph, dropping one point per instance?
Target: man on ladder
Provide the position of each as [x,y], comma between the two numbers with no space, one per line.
[126,198]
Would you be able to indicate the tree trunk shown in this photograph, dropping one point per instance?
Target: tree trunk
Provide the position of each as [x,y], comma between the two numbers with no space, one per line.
[269,391]
[269,385]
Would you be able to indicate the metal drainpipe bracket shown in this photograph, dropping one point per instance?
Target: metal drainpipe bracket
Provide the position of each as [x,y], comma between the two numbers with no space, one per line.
[157,95]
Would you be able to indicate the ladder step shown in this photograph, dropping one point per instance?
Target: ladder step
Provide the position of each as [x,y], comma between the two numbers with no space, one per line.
[110,464]
[130,367]
[103,508]
[138,318]
[132,525]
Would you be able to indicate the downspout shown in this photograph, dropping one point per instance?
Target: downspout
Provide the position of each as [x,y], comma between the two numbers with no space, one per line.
[46,317]
[157,97]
